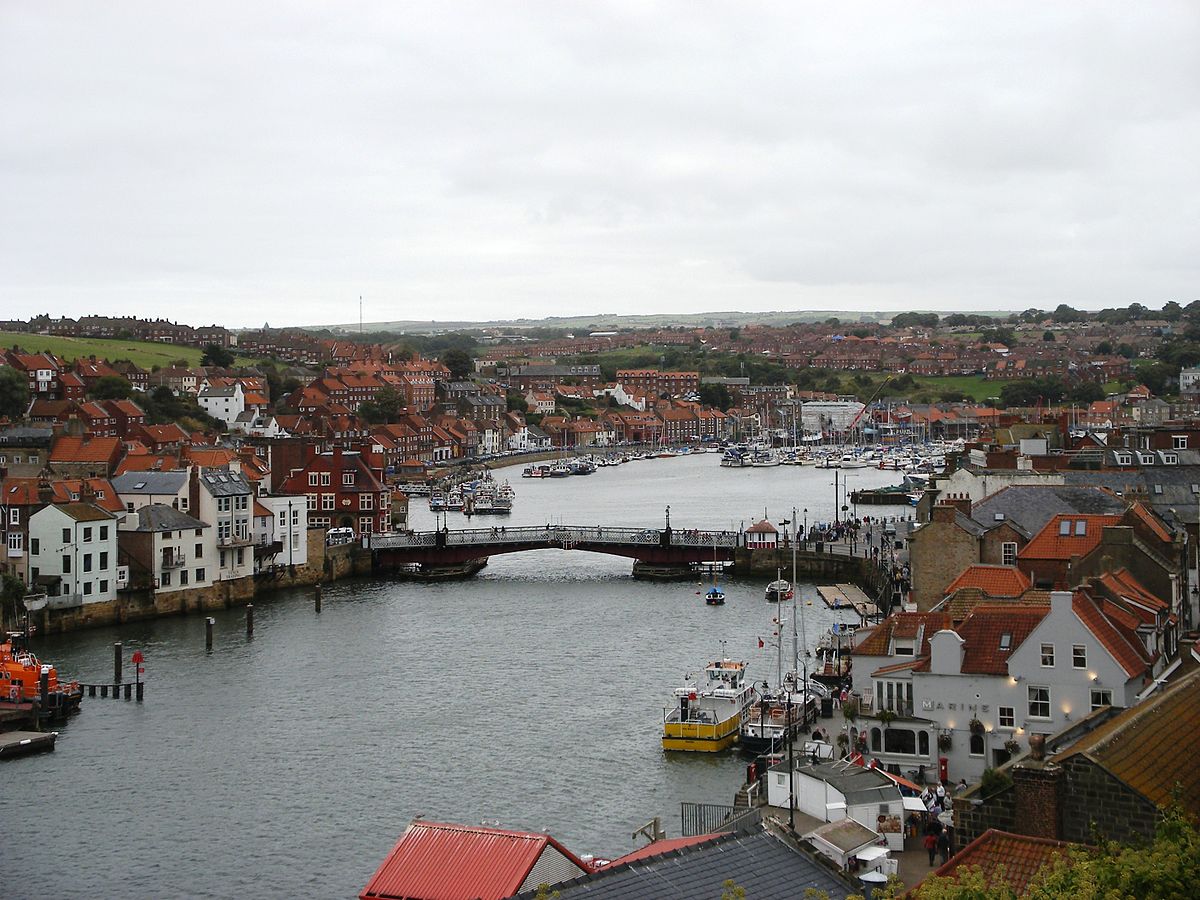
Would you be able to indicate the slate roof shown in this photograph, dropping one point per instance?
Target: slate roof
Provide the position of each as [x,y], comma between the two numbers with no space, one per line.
[858,784]
[997,581]
[223,483]
[658,848]
[1031,506]
[761,863]
[1004,858]
[150,482]
[85,512]
[158,517]
[1153,746]
[1050,543]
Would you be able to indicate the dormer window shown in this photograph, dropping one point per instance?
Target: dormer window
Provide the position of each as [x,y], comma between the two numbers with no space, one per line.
[1006,641]
[1080,527]
[1146,459]
[1170,459]
[1124,459]
[1064,527]
[1158,489]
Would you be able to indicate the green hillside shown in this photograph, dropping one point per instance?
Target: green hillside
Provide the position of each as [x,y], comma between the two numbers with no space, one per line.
[146,354]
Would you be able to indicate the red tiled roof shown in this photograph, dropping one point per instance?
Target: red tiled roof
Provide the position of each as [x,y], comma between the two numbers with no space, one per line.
[434,861]
[24,492]
[1005,859]
[998,581]
[69,448]
[1050,543]
[763,527]
[903,625]
[983,629]
[1125,648]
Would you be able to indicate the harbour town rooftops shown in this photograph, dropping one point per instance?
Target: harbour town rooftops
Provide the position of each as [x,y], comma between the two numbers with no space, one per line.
[1121,643]
[1029,507]
[171,482]
[991,633]
[916,626]
[1005,859]
[858,784]
[658,848]
[85,512]
[223,483]
[434,861]
[1152,747]
[998,581]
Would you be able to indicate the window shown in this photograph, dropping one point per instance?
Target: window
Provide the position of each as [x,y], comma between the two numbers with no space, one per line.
[223,504]
[1047,656]
[87,588]
[1101,698]
[183,576]
[366,501]
[1081,527]
[295,516]
[1064,527]
[348,478]
[129,506]
[327,501]
[14,541]
[1124,459]
[1079,656]
[1039,702]
[35,545]
[222,559]
[1007,717]
[312,501]
[1008,553]
[183,503]
[199,575]
[14,516]
[240,556]
[325,479]
[876,740]
[66,535]
[243,502]
[104,532]
[104,560]
[166,579]
[1006,640]
[1170,459]
[899,740]
[87,534]
[923,743]
[1179,441]
[104,585]
[199,551]
[975,746]
[1158,489]
[66,566]
[312,479]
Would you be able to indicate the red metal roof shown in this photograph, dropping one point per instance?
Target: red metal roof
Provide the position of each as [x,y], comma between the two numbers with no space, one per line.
[434,861]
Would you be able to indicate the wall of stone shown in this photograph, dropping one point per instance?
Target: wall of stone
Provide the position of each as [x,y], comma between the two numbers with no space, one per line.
[938,552]
[1096,806]
[971,820]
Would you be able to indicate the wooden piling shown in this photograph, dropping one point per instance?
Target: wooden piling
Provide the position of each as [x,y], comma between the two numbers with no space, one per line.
[317,597]
[249,620]
[104,690]
[208,632]
[141,691]
[128,691]
[117,662]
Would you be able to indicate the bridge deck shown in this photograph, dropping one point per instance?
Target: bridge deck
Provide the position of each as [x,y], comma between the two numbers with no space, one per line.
[555,535]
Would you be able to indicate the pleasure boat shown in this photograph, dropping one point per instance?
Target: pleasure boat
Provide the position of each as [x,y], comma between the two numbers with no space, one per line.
[779,589]
[709,710]
[777,716]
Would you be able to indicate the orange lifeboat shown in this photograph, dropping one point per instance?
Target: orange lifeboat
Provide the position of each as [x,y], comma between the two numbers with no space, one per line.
[21,674]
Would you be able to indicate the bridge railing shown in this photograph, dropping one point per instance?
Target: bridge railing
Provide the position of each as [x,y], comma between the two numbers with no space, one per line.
[552,534]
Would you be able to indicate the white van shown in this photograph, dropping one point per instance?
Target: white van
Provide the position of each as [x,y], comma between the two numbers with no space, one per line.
[339,536]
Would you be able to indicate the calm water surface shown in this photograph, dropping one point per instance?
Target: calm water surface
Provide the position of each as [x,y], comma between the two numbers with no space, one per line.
[529,697]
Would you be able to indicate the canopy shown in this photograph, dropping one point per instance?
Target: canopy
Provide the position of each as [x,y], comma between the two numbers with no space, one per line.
[873,852]
[914,803]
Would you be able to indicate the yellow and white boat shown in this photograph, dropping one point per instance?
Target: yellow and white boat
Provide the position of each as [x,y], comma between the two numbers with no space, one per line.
[708,710]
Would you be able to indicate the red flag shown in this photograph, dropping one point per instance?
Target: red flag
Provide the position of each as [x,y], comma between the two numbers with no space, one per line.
[760,644]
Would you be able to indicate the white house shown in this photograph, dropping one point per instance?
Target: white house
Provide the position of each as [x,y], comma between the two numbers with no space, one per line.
[832,791]
[225,403]
[281,537]
[167,549]
[73,553]
[950,697]
[222,499]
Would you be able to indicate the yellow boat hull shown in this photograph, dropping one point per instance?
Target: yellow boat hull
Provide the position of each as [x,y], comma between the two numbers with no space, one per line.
[700,738]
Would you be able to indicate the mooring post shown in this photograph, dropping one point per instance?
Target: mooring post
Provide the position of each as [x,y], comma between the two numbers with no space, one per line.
[117,663]
[317,597]
[44,688]
[129,692]
[141,691]
[208,632]
[249,620]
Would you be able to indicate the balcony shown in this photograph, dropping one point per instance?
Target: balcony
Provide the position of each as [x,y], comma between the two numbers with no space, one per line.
[234,540]
[173,559]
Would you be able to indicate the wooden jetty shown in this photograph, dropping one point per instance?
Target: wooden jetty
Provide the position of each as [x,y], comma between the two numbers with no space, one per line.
[848,596]
[19,743]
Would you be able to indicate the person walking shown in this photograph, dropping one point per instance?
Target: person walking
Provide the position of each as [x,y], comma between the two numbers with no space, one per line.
[943,847]
[931,843]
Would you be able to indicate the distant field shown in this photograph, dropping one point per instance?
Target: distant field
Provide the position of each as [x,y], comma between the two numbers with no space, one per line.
[975,387]
[146,354]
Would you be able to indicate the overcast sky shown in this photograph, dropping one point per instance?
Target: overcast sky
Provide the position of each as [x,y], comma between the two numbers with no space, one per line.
[250,162]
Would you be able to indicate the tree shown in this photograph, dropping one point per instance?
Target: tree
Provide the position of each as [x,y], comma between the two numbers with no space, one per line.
[216,355]
[1172,311]
[515,401]
[1048,336]
[389,402]
[716,395]
[111,387]
[1003,335]
[1086,392]
[458,362]
[915,319]
[14,393]
[1104,348]
[369,411]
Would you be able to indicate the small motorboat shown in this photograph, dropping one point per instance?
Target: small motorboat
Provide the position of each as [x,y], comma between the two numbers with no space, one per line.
[779,590]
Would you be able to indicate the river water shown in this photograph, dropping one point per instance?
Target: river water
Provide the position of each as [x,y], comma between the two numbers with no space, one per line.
[529,697]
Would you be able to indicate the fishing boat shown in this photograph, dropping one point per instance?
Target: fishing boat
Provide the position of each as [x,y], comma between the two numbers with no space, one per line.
[779,589]
[20,679]
[709,710]
[777,716]
[834,654]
